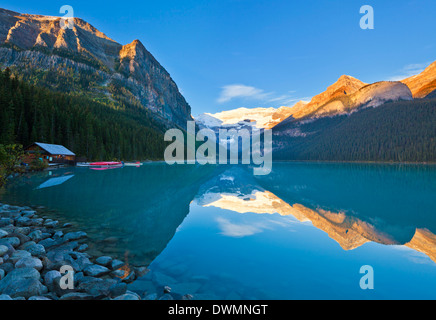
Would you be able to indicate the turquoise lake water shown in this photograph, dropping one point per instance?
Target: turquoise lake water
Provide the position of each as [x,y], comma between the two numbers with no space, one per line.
[218,232]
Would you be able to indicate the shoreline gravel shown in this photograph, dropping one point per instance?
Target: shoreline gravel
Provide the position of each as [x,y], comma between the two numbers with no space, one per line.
[33,250]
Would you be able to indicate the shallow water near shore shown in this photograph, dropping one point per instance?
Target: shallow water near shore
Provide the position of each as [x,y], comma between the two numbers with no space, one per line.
[218,232]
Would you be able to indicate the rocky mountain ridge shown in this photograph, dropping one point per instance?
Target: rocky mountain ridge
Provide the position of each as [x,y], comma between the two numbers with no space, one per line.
[128,73]
[423,84]
[345,96]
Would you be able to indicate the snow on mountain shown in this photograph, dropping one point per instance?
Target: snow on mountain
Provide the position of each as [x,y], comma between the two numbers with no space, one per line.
[372,95]
[260,118]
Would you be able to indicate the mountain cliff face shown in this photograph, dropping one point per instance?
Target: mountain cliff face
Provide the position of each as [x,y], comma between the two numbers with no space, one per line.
[345,85]
[40,51]
[347,95]
[423,84]
[372,95]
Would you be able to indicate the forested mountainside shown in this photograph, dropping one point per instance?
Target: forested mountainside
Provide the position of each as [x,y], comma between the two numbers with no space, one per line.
[395,131]
[92,129]
[84,61]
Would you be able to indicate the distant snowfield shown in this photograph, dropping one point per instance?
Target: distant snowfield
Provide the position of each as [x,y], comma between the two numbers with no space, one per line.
[260,118]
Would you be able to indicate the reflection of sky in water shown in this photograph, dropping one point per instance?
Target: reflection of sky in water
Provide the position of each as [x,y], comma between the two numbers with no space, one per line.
[302,232]
[55,181]
[276,257]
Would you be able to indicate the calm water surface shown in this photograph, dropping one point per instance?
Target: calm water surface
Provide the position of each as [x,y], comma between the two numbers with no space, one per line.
[218,232]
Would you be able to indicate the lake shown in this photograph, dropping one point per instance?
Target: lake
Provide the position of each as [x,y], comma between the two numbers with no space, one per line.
[219,232]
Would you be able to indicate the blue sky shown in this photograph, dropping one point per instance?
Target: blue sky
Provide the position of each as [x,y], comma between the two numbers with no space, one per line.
[226,54]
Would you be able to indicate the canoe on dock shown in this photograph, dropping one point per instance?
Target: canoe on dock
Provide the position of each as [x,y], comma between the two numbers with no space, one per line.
[131,164]
[105,163]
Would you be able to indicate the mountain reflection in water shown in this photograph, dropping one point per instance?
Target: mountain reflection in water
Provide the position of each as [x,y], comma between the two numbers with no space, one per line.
[392,224]
[137,213]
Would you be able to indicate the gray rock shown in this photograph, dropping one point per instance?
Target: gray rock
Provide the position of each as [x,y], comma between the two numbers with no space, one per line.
[9,229]
[7,267]
[95,270]
[11,250]
[58,235]
[36,235]
[104,261]
[77,296]
[51,224]
[78,277]
[57,289]
[116,264]
[97,287]
[36,250]
[4,297]
[5,222]
[117,289]
[29,262]
[3,250]
[57,255]
[22,282]
[166,296]
[51,296]
[128,296]
[45,235]
[67,262]
[22,273]
[119,273]
[26,245]
[152,296]
[23,238]
[24,222]
[131,277]
[82,247]
[67,225]
[48,243]
[38,298]
[13,241]
[28,213]
[37,222]
[50,276]
[3,233]
[78,264]
[74,236]
[78,255]
[67,247]
[18,255]
[188,297]
[141,271]
[23,230]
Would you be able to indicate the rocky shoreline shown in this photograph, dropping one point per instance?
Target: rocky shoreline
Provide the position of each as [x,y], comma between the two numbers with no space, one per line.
[33,250]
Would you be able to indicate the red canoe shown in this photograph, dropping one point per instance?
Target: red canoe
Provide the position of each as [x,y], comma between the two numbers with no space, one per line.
[105,163]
